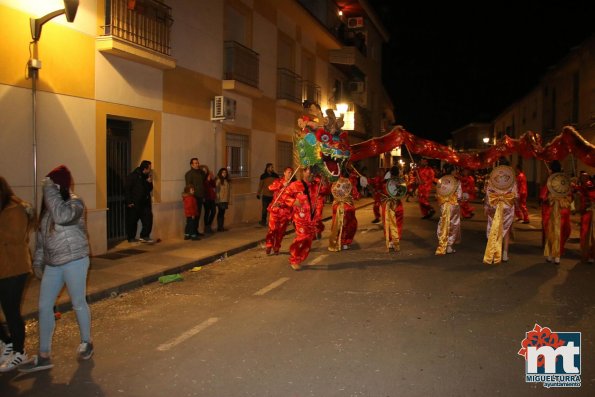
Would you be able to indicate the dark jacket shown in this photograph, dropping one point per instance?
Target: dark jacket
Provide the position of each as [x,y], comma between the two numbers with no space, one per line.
[138,189]
[196,178]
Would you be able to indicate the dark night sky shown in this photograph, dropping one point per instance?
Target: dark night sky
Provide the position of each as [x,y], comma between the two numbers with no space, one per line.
[446,65]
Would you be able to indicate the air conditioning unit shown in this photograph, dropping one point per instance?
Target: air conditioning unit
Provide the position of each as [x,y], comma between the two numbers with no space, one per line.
[356,87]
[355,22]
[223,108]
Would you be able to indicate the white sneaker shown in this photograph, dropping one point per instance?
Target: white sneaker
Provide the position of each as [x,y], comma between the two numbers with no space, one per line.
[450,250]
[549,259]
[391,245]
[345,247]
[146,240]
[557,260]
[504,256]
[15,360]
[6,353]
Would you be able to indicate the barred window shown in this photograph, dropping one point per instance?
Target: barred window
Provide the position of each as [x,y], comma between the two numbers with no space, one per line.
[284,155]
[236,152]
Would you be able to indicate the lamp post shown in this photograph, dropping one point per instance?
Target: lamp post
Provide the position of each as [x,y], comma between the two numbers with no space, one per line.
[70,9]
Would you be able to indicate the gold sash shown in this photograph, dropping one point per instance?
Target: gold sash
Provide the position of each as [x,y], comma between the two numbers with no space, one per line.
[334,239]
[390,223]
[552,248]
[445,203]
[493,252]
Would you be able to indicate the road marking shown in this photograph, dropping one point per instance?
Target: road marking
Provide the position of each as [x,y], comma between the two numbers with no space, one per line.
[188,334]
[271,286]
[318,259]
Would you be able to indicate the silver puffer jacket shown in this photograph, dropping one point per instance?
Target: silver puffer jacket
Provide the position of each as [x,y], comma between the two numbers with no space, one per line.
[62,235]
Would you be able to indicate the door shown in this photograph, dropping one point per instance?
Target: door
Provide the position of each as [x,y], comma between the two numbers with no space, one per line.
[118,167]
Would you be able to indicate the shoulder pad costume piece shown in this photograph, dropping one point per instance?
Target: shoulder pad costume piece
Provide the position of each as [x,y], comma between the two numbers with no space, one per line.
[447,185]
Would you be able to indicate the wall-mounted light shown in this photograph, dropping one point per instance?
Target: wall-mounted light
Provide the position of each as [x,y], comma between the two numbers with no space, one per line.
[70,8]
[486,140]
[342,108]
[340,13]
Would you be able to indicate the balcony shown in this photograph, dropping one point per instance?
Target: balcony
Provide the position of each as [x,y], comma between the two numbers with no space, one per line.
[311,92]
[289,89]
[139,30]
[240,69]
[350,61]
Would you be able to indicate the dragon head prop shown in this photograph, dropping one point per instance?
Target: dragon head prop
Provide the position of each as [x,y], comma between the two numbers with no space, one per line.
[321,144]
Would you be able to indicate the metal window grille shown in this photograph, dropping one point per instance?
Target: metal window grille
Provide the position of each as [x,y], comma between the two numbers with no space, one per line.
[146,23]
[311,92]
[236,149]
[289,85]
[241,64]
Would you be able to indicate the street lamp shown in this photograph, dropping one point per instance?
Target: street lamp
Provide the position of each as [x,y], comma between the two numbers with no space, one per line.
[486,140]
[70,8]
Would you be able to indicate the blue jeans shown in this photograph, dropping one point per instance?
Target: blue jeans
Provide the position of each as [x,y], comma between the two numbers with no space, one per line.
[74,274]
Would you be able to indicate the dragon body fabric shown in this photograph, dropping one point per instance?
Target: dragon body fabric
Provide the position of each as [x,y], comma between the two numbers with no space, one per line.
[321,144]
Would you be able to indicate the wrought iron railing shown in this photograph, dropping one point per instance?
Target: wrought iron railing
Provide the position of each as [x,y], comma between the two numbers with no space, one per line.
[146,23]
[311,92]
[289,85]
[240,63]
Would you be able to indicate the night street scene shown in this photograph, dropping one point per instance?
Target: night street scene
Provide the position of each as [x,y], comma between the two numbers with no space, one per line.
[297,198]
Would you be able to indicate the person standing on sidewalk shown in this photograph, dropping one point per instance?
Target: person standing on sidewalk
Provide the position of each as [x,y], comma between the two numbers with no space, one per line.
[223,197]
[190,211]
[139,185]
[16,220]
[196,177]
[210,199]
[266,178]
[61,257]
[521,212]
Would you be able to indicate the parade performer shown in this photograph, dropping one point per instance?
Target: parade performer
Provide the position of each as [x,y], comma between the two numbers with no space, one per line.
[426,178]
[279,213]
[501,196]
[344,223]
[556,197]
[320,191]
[521,211]
[392,211]
[298,196]
[448,193]
[353,178]
[468,189]
[377,185]
[586,191]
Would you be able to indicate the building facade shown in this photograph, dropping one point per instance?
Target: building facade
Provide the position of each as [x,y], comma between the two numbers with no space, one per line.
[166,81]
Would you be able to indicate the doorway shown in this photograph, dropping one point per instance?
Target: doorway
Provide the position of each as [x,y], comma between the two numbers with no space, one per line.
[118,166]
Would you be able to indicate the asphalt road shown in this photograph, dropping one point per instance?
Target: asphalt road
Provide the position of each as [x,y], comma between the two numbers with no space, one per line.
[361,322]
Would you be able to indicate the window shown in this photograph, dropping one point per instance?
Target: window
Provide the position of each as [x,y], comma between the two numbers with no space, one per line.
[284,155]
[236,154]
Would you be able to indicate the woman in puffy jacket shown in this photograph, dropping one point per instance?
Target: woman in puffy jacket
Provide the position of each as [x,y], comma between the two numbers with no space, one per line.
[16,220]
[61,257]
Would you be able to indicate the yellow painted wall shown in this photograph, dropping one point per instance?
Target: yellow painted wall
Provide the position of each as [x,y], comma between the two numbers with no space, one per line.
[67,56]
[188,93]
[263,114]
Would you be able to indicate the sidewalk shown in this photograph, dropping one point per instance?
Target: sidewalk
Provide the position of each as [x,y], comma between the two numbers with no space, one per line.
[131,265]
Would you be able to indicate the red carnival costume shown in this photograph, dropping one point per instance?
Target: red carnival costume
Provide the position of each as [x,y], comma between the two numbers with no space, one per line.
[279,216]
[377,184]
[586,191]
[556,197]
[320,189]
[411,184]
[521,211]
[426,179]
[353,178]
[299,196]
[468,188]
[344,223]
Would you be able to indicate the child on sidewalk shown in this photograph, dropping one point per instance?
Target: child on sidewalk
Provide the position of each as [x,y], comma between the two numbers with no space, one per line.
[191,212]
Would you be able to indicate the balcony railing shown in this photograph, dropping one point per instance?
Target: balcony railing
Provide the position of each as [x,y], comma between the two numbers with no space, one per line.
[311,92]
[146,23]
[241,64]
[289,85]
